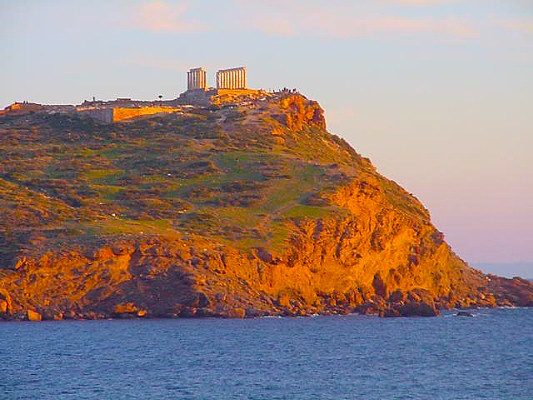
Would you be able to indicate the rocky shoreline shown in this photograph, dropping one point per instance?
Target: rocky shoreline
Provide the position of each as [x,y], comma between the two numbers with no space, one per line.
[419,310]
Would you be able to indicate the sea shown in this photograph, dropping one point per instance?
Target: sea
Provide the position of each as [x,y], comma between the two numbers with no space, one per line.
[488,356]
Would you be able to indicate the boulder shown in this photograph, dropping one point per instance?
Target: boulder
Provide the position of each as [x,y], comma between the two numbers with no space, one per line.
[188,312]
[397,296]
[126,308]
[418,309]
[52,315]
[5,302]
[464,314]
[264,255]
[33,315]
[236,312]
[390,312]
[3,307]
[379,286]
[368,308]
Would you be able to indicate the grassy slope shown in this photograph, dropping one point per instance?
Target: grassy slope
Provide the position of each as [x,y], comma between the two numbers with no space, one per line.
[216,173]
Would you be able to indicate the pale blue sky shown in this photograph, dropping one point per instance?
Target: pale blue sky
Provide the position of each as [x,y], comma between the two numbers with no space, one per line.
[438,93]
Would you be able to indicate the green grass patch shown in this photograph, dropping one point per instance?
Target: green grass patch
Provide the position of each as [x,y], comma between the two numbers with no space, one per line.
[99,174]
[303,211]
[107,192]
[121,226]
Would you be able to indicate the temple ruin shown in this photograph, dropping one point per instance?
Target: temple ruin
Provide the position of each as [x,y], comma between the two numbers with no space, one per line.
[226,79]
[230,89]
[197,79]
[232,78]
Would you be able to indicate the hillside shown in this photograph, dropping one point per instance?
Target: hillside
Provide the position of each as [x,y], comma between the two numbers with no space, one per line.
[231,210]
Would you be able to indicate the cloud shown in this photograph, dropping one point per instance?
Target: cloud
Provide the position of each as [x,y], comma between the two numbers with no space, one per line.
[300,19]
[344,26]
[160,16]
[350,19]
[521,26]
[421,2]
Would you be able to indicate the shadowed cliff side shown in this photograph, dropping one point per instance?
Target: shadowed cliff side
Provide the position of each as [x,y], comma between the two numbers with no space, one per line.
[238,209]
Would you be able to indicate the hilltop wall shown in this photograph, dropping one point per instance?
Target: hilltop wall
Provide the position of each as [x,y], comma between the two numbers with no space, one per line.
[20,108]
[121,113]
[117,114]
[99,114]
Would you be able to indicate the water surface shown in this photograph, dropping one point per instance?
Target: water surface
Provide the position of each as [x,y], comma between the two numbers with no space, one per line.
[349,357]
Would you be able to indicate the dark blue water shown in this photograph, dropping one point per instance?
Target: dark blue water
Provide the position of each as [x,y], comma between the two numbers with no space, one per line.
[486,357]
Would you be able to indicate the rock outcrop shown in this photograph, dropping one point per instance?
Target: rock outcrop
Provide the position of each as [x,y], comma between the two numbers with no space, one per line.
[210,214]
[33,316]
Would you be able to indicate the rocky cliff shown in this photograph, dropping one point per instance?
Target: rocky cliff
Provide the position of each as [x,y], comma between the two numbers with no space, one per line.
[232,210]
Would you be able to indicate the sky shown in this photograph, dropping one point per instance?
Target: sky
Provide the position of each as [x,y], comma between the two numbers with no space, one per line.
[437,93]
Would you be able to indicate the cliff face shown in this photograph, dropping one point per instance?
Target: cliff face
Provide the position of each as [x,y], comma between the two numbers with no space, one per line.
[234,211]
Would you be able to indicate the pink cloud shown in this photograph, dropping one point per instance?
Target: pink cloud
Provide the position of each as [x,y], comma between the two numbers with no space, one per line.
[338,25]
[521,26]
[421,2]
[160,16]
[298,19]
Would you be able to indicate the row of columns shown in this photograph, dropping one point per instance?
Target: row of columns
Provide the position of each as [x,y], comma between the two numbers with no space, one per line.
[234,78]
[196,79]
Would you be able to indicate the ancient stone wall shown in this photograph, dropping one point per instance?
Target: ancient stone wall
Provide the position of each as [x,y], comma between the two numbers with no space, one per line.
[120,114]
[116,114]
[99,114]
